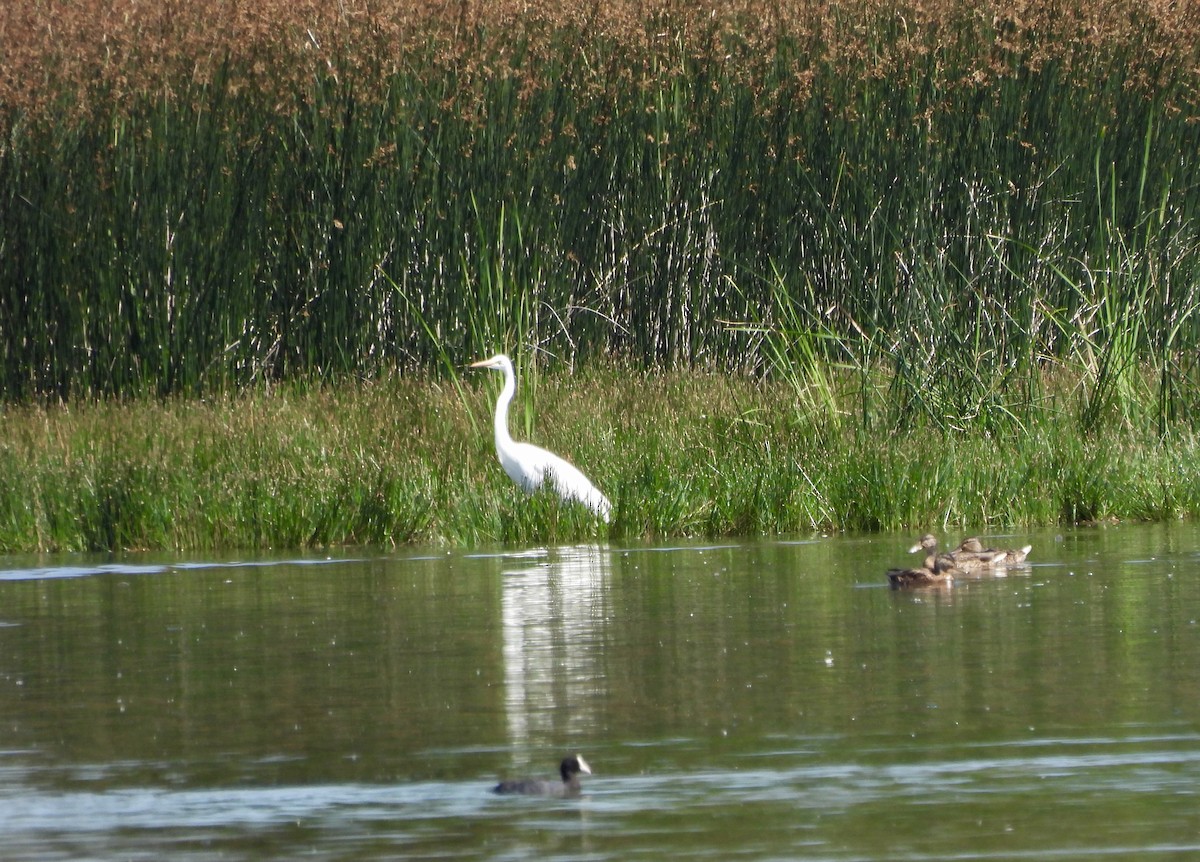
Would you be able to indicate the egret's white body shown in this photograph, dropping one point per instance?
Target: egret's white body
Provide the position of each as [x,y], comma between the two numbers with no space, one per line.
[528,465]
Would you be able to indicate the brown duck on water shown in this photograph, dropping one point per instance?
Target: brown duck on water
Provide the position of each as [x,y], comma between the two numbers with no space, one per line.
[938,570]
[968,563]
[1013,557]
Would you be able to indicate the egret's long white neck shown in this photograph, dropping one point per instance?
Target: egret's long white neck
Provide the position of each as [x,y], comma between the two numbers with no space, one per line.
[503,438]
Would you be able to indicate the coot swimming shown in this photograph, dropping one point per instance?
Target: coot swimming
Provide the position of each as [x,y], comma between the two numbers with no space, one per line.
[570,769]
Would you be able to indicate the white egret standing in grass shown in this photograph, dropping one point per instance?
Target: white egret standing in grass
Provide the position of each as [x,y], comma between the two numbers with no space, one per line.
[528,465]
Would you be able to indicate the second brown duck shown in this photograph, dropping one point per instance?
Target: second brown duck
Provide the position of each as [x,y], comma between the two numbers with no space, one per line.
[1014,557]
[967,562]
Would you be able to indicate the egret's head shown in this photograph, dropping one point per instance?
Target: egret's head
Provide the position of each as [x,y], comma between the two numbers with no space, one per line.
[496,363]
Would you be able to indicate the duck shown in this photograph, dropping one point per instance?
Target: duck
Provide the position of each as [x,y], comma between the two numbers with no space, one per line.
[940,575]
[922,577]
[1013,557]
[966,561]
[570,769]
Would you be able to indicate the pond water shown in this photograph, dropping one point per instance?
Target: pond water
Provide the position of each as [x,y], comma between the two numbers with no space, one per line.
[750,700]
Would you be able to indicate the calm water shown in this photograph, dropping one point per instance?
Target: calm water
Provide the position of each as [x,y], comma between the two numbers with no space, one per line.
[769,700]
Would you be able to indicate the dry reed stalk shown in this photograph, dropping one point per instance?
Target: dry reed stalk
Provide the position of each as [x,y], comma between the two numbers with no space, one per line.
[128,47]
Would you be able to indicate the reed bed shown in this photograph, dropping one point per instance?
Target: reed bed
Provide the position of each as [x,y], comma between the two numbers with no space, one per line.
[196,197]
[400,460]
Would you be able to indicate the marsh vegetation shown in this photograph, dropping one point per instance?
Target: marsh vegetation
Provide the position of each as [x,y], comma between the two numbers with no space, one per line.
[953,247]
[679,454]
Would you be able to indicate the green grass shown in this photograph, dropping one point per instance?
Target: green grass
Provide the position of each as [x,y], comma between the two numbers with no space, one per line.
[407,460]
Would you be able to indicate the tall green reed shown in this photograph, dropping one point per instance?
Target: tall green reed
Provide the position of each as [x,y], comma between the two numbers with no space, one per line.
[912,222]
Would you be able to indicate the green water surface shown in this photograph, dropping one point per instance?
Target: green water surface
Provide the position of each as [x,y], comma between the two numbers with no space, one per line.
[759,700]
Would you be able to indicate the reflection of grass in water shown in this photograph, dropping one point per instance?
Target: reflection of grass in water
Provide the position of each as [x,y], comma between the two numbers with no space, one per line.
[679,455]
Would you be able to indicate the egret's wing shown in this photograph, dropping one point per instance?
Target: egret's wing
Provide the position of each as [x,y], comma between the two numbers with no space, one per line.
[571,484]
[530,466]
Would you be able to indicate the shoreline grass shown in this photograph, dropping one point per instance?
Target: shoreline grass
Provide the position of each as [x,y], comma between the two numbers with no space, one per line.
[404,460]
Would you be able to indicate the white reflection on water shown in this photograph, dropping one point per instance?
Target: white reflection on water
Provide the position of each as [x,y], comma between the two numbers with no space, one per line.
[49,573]
[155,808]
[554,612]
[85,570]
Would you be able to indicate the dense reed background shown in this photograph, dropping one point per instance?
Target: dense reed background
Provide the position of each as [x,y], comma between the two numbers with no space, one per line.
[976,220]
[200,195]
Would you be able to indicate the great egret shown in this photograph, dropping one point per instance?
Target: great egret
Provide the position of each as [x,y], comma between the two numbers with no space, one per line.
[570,770]
[528,465]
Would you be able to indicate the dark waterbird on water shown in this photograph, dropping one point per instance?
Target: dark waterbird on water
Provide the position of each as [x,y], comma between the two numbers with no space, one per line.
[570,769]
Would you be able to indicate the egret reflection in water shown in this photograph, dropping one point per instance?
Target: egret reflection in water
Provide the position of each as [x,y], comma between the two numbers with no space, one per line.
[554,613]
